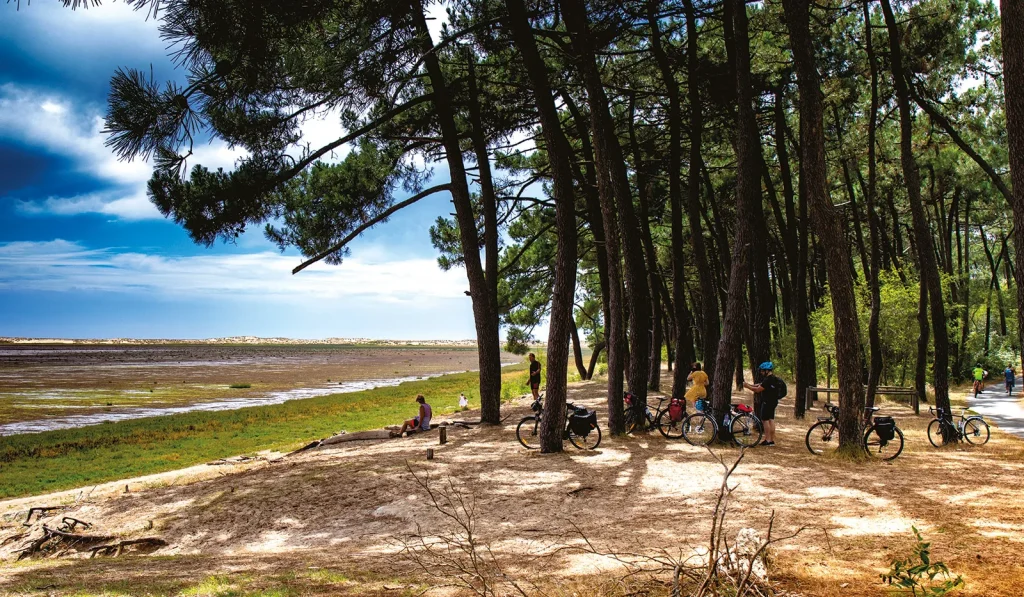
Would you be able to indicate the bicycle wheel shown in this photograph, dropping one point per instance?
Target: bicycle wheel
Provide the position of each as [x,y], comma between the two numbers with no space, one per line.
[747,430]
[669,428]
[528,432]
[822,438]
[589,441]
[935,433]
[976,431]
[699,429]
[631,420]
[876,448]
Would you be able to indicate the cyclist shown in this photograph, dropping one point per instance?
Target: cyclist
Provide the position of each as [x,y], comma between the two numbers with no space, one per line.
[1011,377]
[770,391]
[979,378]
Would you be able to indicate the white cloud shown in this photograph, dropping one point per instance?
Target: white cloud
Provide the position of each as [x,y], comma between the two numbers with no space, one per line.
[50,122]
[64,266]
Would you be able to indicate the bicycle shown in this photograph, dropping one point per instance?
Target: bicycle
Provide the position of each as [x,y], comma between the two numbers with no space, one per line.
[639,418]
[528,429]
[972,429]
[883,439]
[746,429]
[637,415]
[823,436]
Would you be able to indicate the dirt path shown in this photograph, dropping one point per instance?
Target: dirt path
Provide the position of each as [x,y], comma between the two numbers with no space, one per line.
[346,509]
[999,408]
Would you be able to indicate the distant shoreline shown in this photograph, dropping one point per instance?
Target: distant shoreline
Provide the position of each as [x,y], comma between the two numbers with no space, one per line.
[255,340]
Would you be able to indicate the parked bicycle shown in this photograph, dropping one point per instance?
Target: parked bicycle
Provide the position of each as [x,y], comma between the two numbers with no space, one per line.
[581,428]
[667,419]
[972,429]
[883,439]
[823,436]
[745,429]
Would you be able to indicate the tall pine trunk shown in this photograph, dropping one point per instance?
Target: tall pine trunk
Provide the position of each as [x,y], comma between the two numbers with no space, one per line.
[925,245]
[1012,19]
[484,304]
[559,152]
[874,337]
[828,224]
[748,193]
[611,163]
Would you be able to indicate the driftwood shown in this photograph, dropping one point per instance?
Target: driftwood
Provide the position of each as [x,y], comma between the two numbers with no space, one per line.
[116,549]
[63,537]
[68,524]
[74,538]
[234,460]
[373,434]
[43,511]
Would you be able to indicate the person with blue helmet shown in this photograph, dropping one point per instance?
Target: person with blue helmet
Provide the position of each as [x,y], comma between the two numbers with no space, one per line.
[769,391]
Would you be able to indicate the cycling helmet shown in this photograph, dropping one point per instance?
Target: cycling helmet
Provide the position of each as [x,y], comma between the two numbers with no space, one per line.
[767,366]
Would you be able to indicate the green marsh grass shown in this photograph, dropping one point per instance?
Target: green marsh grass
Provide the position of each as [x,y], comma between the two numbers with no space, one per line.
[37,463]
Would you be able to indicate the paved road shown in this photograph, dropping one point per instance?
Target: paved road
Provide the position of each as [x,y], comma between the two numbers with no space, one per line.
[1005,412]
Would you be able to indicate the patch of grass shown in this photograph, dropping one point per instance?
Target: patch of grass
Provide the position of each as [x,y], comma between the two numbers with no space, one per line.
[323,575]
[214,586]
[243,386]
[63,459]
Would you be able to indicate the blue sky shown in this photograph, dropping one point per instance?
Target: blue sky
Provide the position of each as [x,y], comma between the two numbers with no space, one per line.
[84,254]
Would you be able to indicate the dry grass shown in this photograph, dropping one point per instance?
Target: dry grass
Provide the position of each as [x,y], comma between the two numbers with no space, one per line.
[341,509]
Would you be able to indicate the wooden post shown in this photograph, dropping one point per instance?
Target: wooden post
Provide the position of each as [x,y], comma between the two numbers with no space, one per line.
[443,433]
[430,453]
[828,375]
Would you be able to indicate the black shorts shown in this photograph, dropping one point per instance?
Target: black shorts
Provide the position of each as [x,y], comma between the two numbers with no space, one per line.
[534,385]
[766,410]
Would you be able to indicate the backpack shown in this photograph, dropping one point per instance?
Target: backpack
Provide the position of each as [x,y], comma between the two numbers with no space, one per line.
[676,410]
[780,388]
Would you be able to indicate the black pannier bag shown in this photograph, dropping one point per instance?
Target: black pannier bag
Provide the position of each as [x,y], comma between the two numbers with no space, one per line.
[581,424]
[885,427]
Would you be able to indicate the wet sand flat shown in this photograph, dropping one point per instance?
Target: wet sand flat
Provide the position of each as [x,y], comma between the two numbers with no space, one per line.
[44,386]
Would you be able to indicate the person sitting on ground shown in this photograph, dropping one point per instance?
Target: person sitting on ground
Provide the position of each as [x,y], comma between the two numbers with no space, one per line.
[770,391]
[700,381]
[463,402]
[420,422]
[534,376]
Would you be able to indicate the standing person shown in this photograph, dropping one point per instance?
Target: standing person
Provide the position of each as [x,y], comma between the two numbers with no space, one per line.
[700,381]
[1011,377]
[463,402]
[534,376]
[420,422]
[769,391]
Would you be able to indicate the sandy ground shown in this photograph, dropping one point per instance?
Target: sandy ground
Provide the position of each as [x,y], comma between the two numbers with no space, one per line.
[346,508]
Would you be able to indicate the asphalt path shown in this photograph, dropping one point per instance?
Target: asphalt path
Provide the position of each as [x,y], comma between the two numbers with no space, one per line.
[999,408]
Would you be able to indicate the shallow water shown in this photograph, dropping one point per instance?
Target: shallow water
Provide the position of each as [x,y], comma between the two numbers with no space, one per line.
[110,414]
[50,387]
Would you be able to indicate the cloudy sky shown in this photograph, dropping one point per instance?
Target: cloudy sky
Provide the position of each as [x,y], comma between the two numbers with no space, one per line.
[84,254]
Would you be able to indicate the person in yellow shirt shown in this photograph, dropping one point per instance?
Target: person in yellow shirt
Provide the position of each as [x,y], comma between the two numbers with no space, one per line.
[700,382]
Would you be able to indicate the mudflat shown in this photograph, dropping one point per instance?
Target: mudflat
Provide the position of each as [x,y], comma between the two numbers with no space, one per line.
[49,385]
